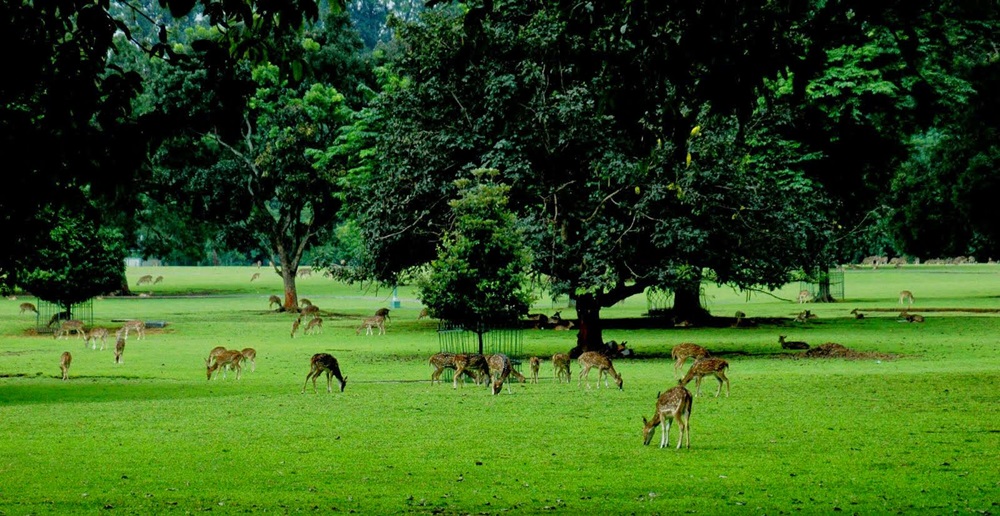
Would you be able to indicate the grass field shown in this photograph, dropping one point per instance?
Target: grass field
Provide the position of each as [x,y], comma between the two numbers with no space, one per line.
[918,433]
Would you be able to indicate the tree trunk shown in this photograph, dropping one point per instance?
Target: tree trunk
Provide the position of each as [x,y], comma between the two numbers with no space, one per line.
[590,337]
[823,295]
[291,295]
[687,302]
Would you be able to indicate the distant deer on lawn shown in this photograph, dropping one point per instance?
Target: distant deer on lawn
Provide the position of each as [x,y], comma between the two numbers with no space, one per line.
[28,307]
[560,367]
[604,367]
[907,296]
[685,350]
[64,362]
[535,363]
[320,363]
[704,367]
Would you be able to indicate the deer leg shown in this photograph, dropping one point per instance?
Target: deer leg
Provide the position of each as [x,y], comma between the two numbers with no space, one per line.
[697,384]
[665,436]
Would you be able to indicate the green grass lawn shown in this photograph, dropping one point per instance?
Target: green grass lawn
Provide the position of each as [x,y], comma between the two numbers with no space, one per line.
[918,433]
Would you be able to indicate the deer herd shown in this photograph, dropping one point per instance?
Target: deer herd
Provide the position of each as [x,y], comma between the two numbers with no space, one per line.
[493,370]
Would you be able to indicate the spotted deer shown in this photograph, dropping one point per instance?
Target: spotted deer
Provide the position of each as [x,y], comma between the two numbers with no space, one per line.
[158,280]
[907,296]
[97,333]
[304,302]
[216,351]
[792,344]
[372,322]
[383,312]
[560,367]
[119,350]
[673,405]
[704,367]
[440,362]
[255,276]
[320,363]
[28,307]
[72,325]
[315,325]
[804,296]
[225,360]
[685,350]
[423,313]
[144,280]
[64,362]
[136,325]
[471,364]
[500,369]
[295,325]
[273,301]
[604,367]
[251,355]
[534,363]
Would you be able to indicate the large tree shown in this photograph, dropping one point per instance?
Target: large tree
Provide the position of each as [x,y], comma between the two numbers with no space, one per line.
[633,134]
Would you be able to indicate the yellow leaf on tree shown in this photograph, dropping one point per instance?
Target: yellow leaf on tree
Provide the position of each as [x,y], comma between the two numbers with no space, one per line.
[688,160]
[696,130]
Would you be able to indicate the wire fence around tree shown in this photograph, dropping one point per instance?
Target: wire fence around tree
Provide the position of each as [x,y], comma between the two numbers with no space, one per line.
[49,312]
[457,338]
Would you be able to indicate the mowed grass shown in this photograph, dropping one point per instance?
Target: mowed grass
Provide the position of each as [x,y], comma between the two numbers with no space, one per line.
[918,433]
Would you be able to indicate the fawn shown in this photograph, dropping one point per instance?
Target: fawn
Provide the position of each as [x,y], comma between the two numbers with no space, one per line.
[906,295]
[273,301]
[119,350]
[500,369]
[535,363]
[604,367]
[324,362]
[97,333]
[372,322]
[705,367]
[251,355]
[224,360]
[315,325]
[295,325]
[793,344]
[560,367]
[685,350]
[28,307]
[673,405]
[64,361]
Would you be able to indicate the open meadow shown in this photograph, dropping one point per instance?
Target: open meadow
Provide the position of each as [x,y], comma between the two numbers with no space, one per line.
[913,429]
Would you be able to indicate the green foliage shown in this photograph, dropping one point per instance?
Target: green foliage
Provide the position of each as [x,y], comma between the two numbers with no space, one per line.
[479,276]
[77,260]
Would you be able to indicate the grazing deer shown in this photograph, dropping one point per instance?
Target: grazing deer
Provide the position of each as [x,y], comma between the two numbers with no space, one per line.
[295,325]
[441,361]
[97,333]
[472,364]
[792,344]
[158,280]
[673,405]
[254,277]
[372,322]
[740,315]
[560,367]
[251,355]
[324,362]
[28,307]
[224,360]
[144,280]
[119,350]
[500,369]
[705,367]
[423,313]
[906,295]
[216,351]
[804,296]
[304,302]
[305,271]
[310,309]
[604,367]
[685,350]
[383,312]
[64,361]
[535,363]
[273,301]
[73,325]
[857,314]
[315,325]
[58,316]
[136,325]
